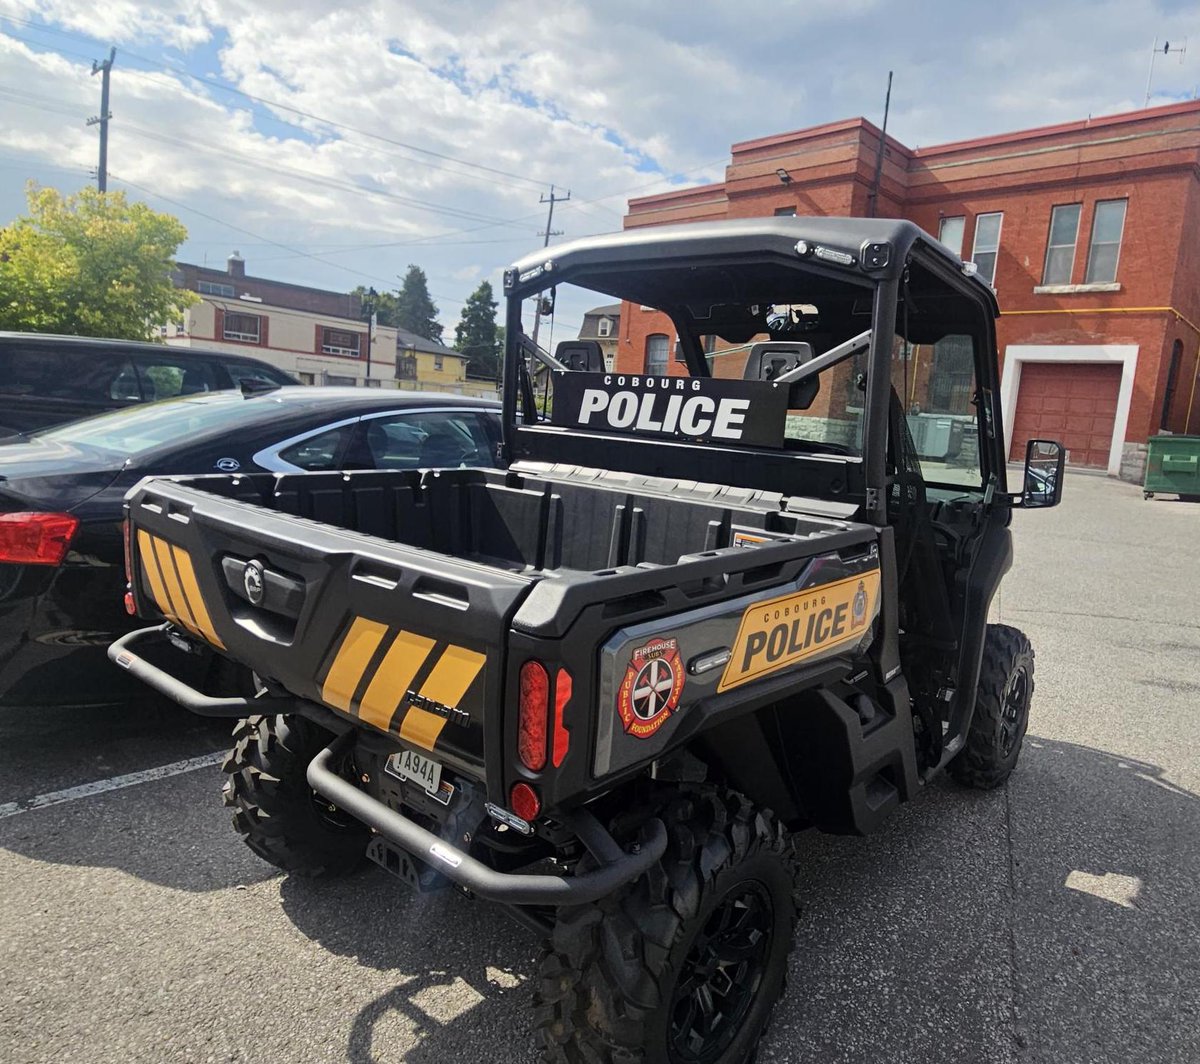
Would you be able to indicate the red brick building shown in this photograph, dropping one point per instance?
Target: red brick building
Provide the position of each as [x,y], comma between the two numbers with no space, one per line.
[1089,232]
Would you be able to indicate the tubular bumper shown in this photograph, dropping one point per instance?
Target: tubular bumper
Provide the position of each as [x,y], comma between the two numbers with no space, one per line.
[178,691]
[617,866]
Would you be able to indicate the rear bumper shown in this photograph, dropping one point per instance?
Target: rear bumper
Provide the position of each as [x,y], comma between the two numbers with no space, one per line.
[616,867]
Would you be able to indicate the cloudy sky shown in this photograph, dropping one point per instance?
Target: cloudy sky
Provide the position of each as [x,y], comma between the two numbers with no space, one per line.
[333,144]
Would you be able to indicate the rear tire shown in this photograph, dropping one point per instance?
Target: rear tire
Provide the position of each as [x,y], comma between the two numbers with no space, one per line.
[684,965]
[276,812]
[1001,710]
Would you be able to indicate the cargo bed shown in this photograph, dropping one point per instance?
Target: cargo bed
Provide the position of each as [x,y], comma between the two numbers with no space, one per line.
[374,592]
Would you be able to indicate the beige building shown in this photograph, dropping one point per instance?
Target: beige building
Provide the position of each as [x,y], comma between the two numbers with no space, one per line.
[603,324]
[318,336]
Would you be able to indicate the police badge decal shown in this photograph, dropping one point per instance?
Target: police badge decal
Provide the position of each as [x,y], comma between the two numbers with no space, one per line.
[651,688]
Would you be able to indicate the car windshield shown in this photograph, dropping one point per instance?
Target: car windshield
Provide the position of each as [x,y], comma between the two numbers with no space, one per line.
[136,430]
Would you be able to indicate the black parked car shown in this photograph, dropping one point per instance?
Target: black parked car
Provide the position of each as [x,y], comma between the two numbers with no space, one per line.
[49,380]
[61,552]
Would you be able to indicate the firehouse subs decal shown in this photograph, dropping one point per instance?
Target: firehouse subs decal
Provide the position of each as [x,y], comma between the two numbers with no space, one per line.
[746,413]
[780,632]
[651,688]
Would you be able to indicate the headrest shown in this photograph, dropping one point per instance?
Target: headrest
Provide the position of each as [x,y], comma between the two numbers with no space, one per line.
[582,356]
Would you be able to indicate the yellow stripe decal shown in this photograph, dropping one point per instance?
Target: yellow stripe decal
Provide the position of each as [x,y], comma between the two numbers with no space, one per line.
[391,681]
[353,657]
[191,591]
[162,552]
[447,683]
[153,576]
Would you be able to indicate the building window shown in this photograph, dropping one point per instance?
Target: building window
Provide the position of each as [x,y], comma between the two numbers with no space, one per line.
[373,382]
[307,378]
[1107,225]
[212,288]
[438,363]
[604,327]
[950,233]
[1060,248]
[657,349]
[244,327]
[341,342]
[406,367]
[987,244]
[335,381]
[785,212]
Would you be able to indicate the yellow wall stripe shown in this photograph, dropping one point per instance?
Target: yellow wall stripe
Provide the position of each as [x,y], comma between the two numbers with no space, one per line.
[191,591]
[403,660]
[174,592]
[353,657]
[447,683]
[153,576]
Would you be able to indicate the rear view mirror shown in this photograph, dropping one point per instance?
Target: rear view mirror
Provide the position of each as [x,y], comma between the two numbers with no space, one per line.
[1044,461]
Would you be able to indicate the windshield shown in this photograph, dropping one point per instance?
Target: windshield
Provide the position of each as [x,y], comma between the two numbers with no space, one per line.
[136,430]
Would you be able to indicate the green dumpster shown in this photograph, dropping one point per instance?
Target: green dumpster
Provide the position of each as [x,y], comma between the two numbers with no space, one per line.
[1173,464]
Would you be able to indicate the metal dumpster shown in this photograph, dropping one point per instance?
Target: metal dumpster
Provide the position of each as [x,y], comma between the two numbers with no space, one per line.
[1173,465]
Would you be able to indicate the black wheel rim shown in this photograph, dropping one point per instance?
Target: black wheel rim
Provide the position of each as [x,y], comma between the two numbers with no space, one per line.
[1012,712]
[721,975]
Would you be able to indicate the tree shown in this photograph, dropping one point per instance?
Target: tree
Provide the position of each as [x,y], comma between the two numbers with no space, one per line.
[414,308]
[476,334]
[90,264]
[385,305]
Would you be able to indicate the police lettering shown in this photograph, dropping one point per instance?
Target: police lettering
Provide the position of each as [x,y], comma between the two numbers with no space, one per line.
[791,637]
[654,410]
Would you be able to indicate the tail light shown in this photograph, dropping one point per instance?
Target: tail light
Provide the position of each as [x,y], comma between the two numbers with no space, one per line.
[36,539]
[562,695]
[533,715]
[524,801]
[127,536]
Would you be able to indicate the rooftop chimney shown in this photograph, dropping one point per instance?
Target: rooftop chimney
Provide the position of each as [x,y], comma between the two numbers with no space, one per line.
[236,265]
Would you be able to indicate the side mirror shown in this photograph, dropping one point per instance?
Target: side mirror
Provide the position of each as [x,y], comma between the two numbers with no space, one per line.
[1044,461]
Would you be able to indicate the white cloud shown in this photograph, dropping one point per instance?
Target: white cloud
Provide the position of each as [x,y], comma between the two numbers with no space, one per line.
[600,98]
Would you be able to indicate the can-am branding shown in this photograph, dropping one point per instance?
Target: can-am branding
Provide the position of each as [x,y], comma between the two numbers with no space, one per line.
[748,413]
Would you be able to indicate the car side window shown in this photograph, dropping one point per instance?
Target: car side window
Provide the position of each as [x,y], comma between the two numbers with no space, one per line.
[429,439]
[320,452]
[88,377]
[164,378]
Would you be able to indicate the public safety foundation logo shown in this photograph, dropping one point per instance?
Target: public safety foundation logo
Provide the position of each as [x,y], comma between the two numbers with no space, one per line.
[858,611]
[651,688]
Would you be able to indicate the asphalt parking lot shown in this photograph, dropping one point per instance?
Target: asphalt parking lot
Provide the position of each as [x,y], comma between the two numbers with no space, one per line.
[1055,920]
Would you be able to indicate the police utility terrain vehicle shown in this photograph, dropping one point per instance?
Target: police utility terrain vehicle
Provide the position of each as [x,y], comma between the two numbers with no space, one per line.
[738,590]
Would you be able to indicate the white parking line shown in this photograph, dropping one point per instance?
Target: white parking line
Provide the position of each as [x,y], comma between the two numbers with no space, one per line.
[113,783]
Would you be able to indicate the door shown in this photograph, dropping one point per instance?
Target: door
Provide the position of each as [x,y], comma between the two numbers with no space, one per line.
[1073,402]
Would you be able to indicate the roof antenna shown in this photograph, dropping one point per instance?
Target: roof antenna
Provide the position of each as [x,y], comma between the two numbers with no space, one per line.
[1166,49]
[874,197]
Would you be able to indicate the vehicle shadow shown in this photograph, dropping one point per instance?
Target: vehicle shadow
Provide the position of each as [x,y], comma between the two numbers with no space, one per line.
[1052,920]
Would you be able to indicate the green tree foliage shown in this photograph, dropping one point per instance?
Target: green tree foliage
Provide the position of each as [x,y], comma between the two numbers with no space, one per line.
[414,307]
[90,264]
[476,334]
[386,307]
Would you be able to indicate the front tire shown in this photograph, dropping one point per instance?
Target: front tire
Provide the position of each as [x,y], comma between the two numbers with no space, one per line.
[276,812]
[684,965]
[1001,710]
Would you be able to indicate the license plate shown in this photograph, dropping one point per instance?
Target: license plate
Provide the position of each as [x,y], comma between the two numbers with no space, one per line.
[421,770]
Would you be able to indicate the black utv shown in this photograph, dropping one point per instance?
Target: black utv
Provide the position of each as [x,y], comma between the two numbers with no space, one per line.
[687,613]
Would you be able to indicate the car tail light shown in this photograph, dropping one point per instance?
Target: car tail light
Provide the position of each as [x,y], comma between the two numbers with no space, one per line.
[36,539]
[533,713]
[562,737]
[524,801]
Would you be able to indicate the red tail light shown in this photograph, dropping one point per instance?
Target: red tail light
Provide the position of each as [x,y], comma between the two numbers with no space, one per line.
[562,695]
[533,715]
[524,801]
[36,539]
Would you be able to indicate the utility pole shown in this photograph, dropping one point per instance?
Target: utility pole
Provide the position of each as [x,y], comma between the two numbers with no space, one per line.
[369,307]
[887,103]
[552,199]
[104,69]
[1154,51]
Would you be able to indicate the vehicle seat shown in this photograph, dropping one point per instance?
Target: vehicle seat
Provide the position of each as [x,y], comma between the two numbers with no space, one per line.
[581,356]
[443,447]
[773,357]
